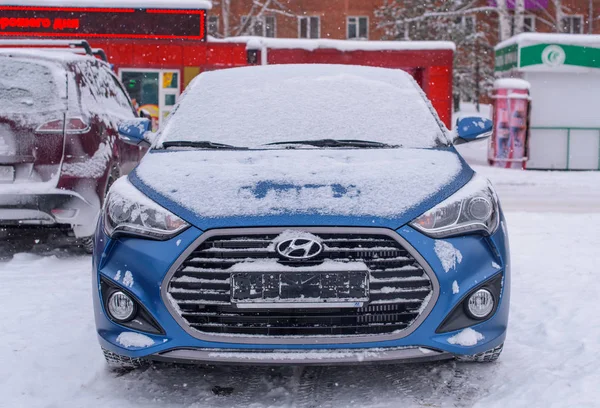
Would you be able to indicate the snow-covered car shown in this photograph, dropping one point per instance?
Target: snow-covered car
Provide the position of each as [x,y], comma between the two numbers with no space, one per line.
[302,214]
[59,144]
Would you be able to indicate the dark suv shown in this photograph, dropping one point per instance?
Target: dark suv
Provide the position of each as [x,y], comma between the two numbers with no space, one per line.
[59,150]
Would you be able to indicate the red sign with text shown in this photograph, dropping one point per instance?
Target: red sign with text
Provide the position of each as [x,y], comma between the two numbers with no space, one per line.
[73,22]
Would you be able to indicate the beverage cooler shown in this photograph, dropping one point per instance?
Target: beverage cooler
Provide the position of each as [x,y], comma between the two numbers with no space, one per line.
[509,145]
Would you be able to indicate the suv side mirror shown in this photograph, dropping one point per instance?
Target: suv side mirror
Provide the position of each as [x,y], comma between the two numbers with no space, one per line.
[136,132]
[472,128]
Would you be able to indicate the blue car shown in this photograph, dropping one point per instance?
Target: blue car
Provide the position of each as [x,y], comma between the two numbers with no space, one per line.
[302,214]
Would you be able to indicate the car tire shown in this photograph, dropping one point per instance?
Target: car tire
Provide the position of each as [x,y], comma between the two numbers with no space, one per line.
[117,362]
[486,357]
[87,244]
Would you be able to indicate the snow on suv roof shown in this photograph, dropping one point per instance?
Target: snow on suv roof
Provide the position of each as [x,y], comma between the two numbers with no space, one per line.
[145,4]
[254,106]
[57,55]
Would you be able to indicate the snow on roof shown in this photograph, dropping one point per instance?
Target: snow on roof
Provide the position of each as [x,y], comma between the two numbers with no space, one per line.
[512,83]
[551,38]
[341,45]
[253,106]
[145,4]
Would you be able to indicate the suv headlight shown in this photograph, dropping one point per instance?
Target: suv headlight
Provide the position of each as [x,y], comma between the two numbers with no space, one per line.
[474,208]
[129,212]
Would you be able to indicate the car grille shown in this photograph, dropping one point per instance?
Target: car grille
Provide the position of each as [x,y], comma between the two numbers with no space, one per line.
[399,288]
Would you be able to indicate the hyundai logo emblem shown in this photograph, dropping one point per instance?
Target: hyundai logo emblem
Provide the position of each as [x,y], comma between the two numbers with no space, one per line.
[299,248]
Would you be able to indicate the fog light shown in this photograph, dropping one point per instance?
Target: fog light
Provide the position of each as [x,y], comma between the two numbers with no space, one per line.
[120,307]
[481,304]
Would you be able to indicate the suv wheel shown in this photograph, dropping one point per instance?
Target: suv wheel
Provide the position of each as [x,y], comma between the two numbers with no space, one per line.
[87,244]
[486,357]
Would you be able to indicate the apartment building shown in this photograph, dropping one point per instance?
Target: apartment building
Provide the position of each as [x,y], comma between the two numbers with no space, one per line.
[356,19]
[334,19]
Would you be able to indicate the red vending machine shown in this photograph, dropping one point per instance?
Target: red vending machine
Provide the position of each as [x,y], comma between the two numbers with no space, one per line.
[508,147]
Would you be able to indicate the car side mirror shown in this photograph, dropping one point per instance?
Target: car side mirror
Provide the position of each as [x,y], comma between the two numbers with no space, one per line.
[136,132]
[145,114]
[472,128]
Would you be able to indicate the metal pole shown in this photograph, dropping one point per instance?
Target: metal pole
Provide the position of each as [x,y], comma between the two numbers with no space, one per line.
[591,18]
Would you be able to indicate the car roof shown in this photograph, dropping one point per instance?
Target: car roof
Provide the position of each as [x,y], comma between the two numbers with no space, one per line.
[265,74]
[50,55]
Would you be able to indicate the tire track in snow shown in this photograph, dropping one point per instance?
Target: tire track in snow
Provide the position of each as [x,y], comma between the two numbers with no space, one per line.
[316,387]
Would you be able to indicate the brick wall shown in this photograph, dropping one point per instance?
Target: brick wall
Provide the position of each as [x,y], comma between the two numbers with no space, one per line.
[333,16]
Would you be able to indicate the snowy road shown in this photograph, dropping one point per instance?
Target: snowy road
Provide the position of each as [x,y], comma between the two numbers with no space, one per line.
[49,355]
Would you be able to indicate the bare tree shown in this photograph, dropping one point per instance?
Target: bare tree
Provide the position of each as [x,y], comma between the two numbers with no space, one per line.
[225,15]
[559,15]
[254,16]
[453,21]
[503,19]
[519,21]
[553,20]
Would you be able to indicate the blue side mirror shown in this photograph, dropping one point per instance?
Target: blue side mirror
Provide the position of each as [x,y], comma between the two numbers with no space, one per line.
[473,128]
[135,131]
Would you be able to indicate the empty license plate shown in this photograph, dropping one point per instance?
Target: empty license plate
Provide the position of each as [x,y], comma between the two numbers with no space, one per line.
[300,288]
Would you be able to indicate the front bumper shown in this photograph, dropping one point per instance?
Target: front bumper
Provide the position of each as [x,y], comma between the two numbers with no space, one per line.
[314,357]
[483,259]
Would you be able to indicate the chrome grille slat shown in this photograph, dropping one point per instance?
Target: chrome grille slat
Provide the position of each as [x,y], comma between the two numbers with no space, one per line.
[399,287]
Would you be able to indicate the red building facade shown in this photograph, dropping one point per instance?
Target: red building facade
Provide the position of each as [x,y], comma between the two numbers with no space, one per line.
[158,51]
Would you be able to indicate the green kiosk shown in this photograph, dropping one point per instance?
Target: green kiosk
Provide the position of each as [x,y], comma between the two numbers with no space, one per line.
[564,73]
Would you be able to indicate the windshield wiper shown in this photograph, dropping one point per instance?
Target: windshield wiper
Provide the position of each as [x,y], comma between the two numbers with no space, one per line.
[202,145]
[337,143]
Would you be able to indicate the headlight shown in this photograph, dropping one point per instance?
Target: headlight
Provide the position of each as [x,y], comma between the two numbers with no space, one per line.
[127,211]
[474,208]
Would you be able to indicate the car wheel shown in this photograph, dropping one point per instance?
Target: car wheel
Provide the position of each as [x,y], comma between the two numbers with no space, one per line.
[117,362]
[87,244]
[486,357]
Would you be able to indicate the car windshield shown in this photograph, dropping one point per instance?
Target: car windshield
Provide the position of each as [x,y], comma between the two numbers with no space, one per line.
[27,87]
[260,106]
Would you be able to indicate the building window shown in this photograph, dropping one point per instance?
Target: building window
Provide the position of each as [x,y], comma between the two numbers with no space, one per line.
[212,23]
[528,24]
[466,22]
[309,27]
[572,24]
[358,28]
[261,26]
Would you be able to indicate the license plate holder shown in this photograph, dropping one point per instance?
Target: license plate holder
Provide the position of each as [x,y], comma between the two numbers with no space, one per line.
[300,289]
[7,174]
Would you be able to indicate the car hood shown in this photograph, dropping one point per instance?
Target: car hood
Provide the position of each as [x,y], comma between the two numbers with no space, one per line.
[328,187]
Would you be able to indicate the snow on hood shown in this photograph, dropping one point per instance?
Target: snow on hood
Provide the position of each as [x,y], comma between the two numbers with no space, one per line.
[345,182]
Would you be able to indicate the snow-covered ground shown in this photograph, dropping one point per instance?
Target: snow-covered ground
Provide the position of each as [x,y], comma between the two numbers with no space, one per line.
[49,356]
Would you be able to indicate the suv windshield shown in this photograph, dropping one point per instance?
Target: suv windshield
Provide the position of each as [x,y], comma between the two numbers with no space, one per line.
[27,87]
[259,106]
